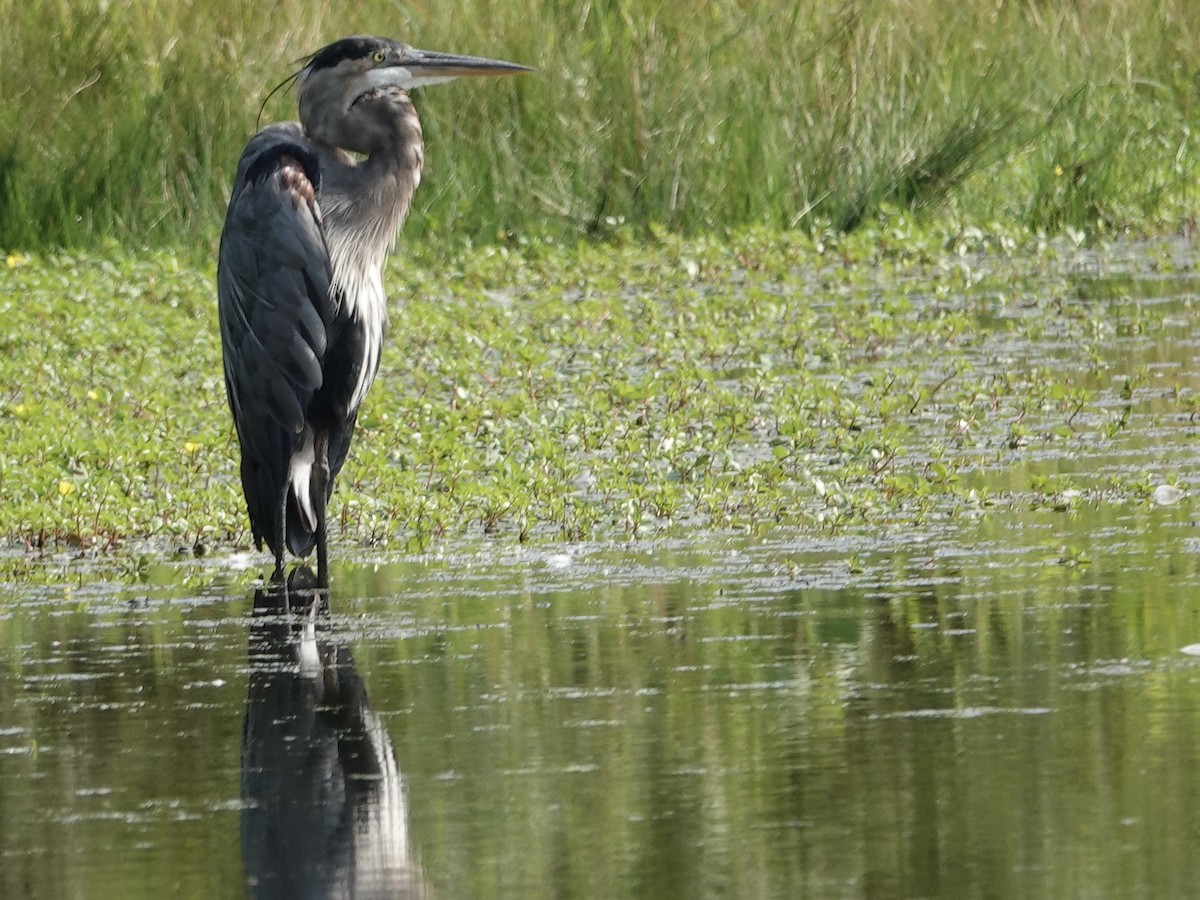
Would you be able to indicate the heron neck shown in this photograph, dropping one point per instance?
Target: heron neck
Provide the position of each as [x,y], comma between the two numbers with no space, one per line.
[387,182]
[366,201]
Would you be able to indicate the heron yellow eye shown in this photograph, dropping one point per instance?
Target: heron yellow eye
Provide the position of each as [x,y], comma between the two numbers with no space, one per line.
[378,56]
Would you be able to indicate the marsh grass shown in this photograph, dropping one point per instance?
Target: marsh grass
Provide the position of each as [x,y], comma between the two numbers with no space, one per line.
[125,120]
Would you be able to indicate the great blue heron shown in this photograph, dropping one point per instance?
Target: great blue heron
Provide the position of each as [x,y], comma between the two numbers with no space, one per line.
[315,208]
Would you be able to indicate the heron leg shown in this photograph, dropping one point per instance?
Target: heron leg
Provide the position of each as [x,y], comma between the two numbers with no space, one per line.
[322,551]
[320,491]
[280,543]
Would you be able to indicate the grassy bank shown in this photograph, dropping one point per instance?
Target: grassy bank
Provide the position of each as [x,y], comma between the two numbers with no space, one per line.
[124,120]
[888,379]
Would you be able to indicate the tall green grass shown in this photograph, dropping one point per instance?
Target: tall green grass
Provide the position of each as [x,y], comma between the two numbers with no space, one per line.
[124,120]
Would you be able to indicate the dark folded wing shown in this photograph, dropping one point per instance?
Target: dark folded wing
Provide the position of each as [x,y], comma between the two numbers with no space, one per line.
[273,287]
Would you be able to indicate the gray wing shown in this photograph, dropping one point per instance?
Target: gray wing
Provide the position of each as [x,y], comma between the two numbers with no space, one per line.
[273,288]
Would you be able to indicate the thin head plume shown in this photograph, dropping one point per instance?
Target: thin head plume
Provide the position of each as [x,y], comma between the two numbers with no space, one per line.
[287,82]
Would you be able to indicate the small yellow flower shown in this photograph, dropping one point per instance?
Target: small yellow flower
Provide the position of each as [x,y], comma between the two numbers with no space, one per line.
[1058,171]
[191,447]
[92,395]
[66,488]
[15,259]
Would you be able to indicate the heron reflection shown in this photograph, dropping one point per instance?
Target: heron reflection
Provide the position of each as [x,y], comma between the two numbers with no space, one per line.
[325,808]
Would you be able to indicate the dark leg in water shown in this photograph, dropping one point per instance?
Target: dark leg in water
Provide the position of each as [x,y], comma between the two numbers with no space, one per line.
[280,543]
[320,489]
[322,550]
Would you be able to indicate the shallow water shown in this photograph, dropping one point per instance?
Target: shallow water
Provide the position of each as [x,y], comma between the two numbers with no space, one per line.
[955,717]
[1004,705]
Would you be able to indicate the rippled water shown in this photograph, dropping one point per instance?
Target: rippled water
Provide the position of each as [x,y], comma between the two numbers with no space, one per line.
[961,717]
[999,706]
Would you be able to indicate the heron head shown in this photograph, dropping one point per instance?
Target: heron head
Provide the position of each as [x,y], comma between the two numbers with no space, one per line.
[352,83]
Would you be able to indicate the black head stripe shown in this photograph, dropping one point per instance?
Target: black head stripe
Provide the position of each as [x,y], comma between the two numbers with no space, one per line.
[355,47]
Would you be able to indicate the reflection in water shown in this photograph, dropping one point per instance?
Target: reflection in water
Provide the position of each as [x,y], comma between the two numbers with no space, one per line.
[325,805]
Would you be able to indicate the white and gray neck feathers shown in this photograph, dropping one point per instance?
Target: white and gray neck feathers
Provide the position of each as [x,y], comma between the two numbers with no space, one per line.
[363,203]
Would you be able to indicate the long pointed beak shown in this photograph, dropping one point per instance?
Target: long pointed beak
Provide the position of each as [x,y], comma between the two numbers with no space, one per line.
[432,64]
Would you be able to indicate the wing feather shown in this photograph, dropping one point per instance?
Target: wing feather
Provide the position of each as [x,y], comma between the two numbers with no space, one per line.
[274,278]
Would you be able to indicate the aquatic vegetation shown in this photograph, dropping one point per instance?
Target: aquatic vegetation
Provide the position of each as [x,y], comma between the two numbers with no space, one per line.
[542,392]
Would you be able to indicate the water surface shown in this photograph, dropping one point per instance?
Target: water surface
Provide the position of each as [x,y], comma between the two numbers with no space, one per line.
[951,718]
